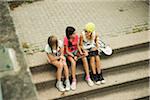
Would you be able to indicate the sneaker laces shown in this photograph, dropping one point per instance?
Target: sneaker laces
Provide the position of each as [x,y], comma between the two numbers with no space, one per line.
[95,77]
[100,76]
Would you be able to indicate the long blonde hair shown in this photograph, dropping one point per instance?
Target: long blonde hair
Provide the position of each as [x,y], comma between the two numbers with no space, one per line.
[52,41]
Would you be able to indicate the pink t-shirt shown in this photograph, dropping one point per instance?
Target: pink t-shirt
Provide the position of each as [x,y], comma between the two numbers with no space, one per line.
[73,46]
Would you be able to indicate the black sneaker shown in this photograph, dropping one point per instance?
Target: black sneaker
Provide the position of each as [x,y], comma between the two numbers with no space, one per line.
[96,79]
[101,79]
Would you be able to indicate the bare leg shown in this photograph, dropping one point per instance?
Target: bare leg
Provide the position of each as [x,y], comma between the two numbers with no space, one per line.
[98,64]
[73,67]
[66,72]
[92,63]
[85,65]
[59,66]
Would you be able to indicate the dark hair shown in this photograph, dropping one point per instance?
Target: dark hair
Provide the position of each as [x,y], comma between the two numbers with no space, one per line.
[69,31]
[52,40]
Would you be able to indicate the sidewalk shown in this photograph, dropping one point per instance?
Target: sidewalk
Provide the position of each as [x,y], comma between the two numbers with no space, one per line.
[35,22]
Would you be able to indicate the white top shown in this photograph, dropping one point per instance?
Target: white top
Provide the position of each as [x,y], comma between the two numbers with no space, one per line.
[88,44]
[56,52]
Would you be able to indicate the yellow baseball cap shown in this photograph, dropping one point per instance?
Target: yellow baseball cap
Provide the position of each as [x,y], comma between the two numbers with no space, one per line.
[90,27]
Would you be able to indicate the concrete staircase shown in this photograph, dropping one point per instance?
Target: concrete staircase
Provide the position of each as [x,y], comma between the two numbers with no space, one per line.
[126,73]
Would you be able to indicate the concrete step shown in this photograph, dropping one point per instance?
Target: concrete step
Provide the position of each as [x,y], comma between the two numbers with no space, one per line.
[128,91]
[113,78]
[134,48]
[118,44]
[128,60]
[129,40]
[47,73]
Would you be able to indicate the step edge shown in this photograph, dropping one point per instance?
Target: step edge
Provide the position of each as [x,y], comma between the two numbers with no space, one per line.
[108,86]
[114,50]
[78,74]
[111,86]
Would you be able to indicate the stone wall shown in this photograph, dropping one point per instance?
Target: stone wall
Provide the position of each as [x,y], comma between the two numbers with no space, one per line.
[18,86]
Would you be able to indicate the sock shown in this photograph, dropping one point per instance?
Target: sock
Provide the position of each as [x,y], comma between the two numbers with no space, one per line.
[58,81]
[67,79]
[87,77]
[73,80]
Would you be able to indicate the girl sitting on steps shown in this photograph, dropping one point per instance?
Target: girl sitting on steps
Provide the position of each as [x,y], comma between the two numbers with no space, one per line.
[89,43]
[72,52]
[55,53]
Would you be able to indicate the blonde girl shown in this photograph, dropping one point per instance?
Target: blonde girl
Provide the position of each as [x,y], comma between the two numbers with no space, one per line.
[55,53]
[89,43]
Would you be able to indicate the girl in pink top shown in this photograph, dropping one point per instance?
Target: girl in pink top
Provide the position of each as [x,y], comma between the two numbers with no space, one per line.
[72,52]
[71,43]
[70,49]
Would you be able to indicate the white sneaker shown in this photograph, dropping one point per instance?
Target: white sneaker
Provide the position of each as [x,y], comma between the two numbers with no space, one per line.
[96,80]
[90,82]
[98,83]
[67,83]
[73,85]
[100,76]
[59,86]
[103,81]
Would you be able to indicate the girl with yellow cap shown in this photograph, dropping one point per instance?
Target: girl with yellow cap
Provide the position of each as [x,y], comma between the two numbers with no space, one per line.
[89,44]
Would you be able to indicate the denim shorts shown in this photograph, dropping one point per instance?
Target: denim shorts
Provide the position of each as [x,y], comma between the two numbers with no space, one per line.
[74,53]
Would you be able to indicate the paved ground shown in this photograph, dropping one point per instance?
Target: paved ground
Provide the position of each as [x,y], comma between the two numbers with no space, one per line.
[35,22]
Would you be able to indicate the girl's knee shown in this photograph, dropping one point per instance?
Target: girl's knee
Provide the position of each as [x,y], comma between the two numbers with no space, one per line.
[65,64]
[92,59]
[60,66]
[73,63]
[97,58]
[84,59]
